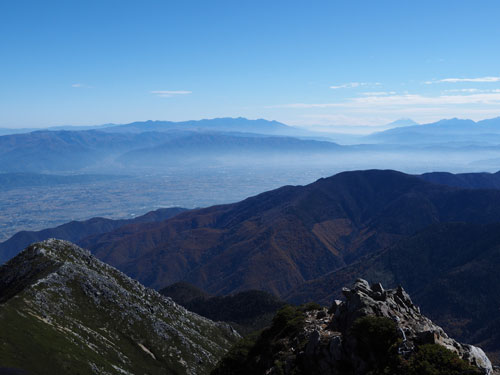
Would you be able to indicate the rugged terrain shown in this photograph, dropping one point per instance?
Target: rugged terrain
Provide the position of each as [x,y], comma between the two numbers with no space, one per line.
[64,311]
[280,239]
[303,243]
[374,331]
[451,270]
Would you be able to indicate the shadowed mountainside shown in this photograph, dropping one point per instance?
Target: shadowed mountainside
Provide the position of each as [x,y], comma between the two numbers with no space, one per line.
[277,240]
[451,269]
[75,231]
[246,311]
[464,180]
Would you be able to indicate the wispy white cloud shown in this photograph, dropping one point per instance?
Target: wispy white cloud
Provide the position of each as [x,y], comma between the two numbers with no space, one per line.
[406,100]
[471,91]
[170,93]
[372,110]
[412,99]
[351,85]
[467,90]
[378,93]
[458,80]
[81,86]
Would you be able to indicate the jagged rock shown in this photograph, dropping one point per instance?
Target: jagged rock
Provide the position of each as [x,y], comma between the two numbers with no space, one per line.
[396,304]
[373,331]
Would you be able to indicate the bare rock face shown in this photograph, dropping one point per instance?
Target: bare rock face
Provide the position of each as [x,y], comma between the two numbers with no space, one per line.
[414,328]
[332,341]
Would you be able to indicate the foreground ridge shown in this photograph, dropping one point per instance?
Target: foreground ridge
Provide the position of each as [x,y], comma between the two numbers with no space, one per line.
[374,331]
[64,311]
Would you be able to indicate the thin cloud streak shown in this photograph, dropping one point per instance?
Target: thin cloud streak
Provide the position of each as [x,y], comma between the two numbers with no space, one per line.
[403,100]
[458,80]
[352,85]
[381,109]
[80,86]
[170,93]
[378,93]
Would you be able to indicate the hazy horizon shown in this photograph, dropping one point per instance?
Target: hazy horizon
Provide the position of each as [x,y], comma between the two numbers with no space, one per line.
[325,64]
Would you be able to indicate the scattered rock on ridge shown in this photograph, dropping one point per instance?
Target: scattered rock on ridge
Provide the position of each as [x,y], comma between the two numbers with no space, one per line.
[374,331]
[414,328]
[64,311]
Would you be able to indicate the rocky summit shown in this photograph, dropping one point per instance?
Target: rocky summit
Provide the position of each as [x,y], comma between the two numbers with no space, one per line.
[63,311]
[373,331]
[414,329]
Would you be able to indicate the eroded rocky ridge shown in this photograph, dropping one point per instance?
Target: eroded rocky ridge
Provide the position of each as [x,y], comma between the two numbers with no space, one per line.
[373,331]
[64,311]
[414,328]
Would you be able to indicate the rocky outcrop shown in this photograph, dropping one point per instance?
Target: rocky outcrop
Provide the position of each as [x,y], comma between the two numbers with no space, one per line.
[373,331]
[414,328]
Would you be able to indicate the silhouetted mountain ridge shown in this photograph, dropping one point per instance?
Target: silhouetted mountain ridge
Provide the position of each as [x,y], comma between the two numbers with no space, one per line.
[464,180]
[75,231]
[277,240]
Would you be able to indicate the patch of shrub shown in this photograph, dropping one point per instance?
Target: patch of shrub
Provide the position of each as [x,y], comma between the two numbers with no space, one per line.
[255,353]
[433,359]
[311,306]
[375,337]
[236,361]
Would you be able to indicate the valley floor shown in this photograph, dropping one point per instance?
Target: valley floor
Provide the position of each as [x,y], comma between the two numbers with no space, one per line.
[40,207]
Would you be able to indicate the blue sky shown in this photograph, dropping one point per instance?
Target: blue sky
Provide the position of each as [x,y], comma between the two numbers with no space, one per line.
[322,63]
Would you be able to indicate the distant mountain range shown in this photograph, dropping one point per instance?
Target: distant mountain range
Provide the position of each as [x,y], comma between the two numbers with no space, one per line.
[226,124]
[402,122]
[198,147]
[452,131]
[153,144]
[150,144]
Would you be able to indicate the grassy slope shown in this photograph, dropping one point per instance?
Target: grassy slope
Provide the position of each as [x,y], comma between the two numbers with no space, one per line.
[94,319]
